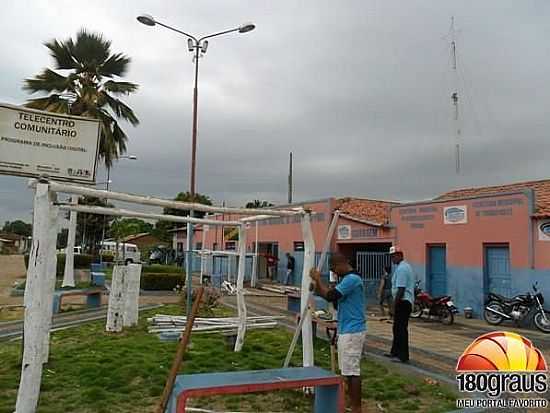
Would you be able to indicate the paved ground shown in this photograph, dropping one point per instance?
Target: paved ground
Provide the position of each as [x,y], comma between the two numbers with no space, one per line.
[433,346]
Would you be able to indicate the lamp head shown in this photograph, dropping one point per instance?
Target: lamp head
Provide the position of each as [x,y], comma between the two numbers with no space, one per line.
[146,19]
[246,27]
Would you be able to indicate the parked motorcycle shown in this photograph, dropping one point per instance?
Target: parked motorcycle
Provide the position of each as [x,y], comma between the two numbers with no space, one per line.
[518,309]
[427,306]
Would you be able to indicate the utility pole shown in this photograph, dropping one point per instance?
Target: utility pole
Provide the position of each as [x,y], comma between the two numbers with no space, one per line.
[290,180]
[454,97]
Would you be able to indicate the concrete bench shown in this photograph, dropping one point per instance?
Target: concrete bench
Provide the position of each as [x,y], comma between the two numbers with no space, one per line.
[93,297]
[329,388]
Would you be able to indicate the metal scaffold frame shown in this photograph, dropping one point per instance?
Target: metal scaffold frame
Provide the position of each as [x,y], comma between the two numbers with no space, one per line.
[41,273]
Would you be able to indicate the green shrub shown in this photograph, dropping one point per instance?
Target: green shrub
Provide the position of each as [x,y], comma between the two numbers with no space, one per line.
[161,269]
[161,281]
[81,261]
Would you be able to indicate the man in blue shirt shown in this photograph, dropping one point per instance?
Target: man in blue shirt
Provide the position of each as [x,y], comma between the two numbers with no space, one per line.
[403,293]
[350,298]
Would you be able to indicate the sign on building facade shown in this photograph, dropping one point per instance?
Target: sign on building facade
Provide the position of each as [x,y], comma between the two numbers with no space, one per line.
[544,229]
[35,143]
[344,232]
[457,214]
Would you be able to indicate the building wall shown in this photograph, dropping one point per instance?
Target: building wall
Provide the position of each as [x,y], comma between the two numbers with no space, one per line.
[502,219]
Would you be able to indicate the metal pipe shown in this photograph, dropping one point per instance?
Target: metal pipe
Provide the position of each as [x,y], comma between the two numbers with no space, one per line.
[498,312]
[159,202]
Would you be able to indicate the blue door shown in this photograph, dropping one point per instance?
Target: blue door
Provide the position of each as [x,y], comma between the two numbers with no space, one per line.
[498,278]
[437,270]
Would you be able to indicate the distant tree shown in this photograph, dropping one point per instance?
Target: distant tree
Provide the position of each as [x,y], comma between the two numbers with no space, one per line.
[83,84]
[162,227]
[129,226]
[18,227]
[258,204]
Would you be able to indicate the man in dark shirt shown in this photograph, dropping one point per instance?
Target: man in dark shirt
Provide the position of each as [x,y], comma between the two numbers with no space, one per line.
[290,263]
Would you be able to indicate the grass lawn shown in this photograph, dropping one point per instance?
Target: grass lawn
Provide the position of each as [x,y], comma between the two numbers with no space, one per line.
[94,371]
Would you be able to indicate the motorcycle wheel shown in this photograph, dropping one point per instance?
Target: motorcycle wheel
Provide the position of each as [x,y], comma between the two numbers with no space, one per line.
[417,311]
[446,316]
[541,324]
[492,318]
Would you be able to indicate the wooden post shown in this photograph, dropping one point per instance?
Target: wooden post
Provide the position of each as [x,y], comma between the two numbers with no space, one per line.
[254,277]
[38,299]
[241,305]
[116,299]
[309,263]
[131,296]
[68,275]
[182,347]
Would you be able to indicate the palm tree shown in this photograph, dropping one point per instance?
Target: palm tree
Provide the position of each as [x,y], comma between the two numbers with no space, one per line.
[87,87]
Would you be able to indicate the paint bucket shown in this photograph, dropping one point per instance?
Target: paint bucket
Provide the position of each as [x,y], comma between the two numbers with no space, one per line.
[468,312]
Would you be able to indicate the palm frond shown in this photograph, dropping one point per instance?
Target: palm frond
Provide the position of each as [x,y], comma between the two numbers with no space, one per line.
[120,109]
[52,103]
[47,81]
[61,53]
[90,50]
[123,88]
[115,65]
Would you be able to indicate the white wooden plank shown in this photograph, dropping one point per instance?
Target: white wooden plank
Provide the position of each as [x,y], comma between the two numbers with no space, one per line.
[147,215]
[37,300]
[131,299]
[309,263]
[149,200]
[116,300]
[241,304]
[68,275]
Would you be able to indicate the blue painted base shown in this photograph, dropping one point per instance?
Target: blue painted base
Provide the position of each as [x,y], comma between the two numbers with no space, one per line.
[326,383]
[466,285]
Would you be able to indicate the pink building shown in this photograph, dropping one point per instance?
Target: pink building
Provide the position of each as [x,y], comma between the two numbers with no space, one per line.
[363,227]
[463,243]
[468,242]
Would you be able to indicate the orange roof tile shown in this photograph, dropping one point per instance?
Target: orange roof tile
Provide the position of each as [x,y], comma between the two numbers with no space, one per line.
[541,189]
[366,209]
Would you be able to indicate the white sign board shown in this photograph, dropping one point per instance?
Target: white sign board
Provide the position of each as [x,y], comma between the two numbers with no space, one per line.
[35,143]
[544,229]
[457,214]
[344,231]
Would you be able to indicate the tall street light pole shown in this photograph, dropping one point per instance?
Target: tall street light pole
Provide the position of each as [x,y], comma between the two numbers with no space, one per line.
[198,46]
[132,158]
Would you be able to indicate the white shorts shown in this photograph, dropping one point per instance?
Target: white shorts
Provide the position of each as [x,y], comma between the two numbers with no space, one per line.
[350,350]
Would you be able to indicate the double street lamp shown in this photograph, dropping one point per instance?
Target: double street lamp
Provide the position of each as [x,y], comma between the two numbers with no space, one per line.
[197,46]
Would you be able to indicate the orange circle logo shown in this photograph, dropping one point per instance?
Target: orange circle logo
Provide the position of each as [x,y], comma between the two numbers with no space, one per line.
[501,351]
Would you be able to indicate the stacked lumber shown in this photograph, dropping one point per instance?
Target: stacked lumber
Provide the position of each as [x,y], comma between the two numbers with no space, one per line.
[169,327]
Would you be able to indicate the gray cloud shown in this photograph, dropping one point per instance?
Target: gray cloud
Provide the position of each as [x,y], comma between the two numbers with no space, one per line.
[359,91]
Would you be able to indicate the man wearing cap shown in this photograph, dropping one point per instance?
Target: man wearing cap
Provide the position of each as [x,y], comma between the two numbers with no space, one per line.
[403,293]
[350,297]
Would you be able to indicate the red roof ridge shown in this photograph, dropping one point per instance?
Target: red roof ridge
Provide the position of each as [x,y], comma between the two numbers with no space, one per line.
[355,198]
[540,187]
[495,187]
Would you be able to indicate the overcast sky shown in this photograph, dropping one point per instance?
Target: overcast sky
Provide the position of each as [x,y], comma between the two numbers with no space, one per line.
[359,91]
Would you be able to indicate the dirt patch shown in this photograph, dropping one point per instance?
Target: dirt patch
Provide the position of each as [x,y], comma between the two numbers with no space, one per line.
[12,268]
